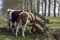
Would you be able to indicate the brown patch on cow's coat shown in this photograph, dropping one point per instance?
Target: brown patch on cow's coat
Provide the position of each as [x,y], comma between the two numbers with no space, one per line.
[23,18]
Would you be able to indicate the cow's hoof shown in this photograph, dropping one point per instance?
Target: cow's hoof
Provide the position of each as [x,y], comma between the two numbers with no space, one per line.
[8,29]
[30,31]
[13,32]
[15,35]
[24,37]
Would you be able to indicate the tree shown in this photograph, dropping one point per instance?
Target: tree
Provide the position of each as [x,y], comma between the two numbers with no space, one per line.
[49,8]
[38,6]
[31,4]
[45,8]
[59,9]
[42,7]
[54,8]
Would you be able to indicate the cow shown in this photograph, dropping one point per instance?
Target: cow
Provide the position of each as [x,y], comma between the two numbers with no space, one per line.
[12,16]
[24,19]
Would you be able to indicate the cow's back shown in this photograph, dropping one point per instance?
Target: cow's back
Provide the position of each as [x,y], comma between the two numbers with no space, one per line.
[14,15]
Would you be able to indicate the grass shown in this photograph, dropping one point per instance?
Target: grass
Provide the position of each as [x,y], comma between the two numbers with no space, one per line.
[54,23]
[5,35]
[54,19]
[2,21]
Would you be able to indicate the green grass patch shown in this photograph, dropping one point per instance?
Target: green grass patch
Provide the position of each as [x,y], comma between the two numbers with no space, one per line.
[2,21]
[54,22]
[54,19]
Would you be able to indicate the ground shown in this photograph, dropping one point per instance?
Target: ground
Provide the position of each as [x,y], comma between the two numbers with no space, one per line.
[53,25]
[5,35]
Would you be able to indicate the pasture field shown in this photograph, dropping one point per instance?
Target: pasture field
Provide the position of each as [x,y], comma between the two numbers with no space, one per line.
[54,23]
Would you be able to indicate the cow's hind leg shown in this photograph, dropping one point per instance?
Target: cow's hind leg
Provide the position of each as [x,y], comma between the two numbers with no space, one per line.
[17,29]
[8,25]
[23,30]
[13,28]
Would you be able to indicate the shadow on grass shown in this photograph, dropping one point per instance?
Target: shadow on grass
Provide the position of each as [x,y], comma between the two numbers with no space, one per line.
[8,34]
[3,31]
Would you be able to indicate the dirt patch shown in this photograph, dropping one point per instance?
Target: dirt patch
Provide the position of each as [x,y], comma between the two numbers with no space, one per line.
[2,26]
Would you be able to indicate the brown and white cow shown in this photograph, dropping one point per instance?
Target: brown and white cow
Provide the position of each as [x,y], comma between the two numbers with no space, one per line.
[24,19]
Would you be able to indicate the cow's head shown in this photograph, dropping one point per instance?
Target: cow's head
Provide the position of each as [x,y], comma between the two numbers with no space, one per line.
[32,21]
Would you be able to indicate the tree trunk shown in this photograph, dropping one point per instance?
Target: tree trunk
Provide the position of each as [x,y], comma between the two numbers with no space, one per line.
[42,7]
[23,5]
[49,8]
[38,6]
[45,9]
[59,10]
[31,5]
[54,8]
